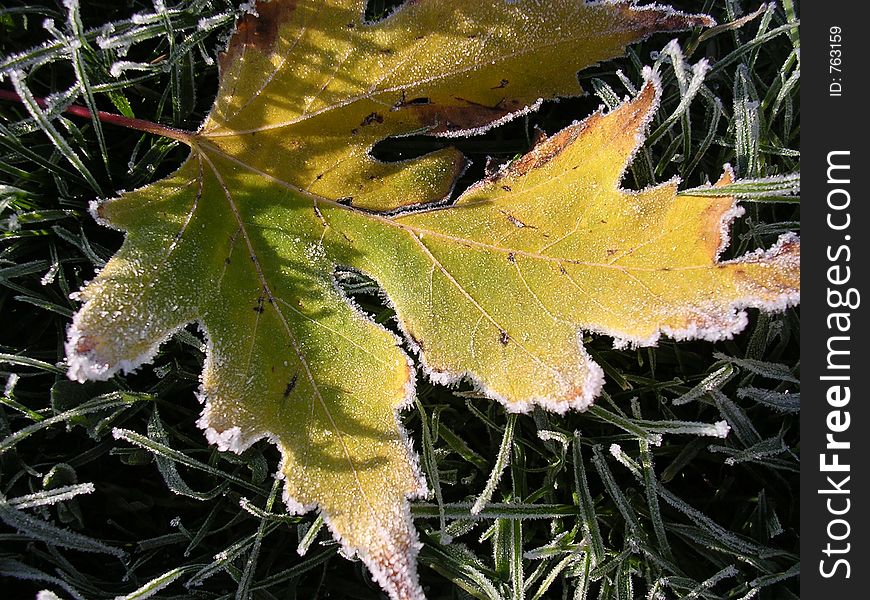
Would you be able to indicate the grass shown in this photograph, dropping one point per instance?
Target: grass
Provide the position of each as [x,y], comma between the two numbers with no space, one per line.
[109,489]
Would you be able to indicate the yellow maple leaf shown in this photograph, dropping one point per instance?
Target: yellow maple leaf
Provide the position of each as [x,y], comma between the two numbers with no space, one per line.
[280,190]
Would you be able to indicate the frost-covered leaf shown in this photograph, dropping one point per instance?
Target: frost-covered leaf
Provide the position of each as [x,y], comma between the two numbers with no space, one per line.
[280,192]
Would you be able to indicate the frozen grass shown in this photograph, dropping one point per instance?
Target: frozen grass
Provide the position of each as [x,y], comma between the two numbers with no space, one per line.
[109,490]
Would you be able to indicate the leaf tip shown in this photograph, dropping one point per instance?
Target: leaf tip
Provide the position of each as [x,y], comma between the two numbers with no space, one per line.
[226,438]
[90,358]
[80,358]
[390,554]
[775,285]
[646,103]
[655,18]
[727,178]
[575,393]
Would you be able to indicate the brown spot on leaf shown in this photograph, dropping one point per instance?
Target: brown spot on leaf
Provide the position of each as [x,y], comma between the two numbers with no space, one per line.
[372,118]
[466,114]
[258,31]
[514,221]
[415,341]
[85,344]
[544,152]
[290,385]
[403,102]
[711,221]
[504,338]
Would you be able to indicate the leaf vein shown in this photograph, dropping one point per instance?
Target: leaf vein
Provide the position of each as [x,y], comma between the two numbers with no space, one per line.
[293,341]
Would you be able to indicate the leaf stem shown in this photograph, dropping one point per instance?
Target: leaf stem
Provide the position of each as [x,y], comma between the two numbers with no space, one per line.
[106,117]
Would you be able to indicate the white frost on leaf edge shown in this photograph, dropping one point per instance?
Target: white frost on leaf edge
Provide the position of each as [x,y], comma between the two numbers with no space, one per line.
[84,366]
[594,382]
[383,576]
[590,387]
[734,318]
[234,439]
[473,131]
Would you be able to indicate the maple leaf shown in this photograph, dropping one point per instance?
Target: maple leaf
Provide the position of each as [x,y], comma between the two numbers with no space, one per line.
[280,190]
